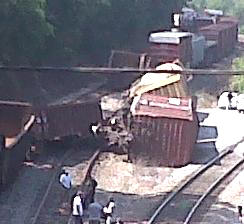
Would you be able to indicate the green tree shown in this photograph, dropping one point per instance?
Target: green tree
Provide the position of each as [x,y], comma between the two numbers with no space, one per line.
[86,31]
[237,82]
[229,7]
[224,5]
[71,32]
[61,32]
[23,31]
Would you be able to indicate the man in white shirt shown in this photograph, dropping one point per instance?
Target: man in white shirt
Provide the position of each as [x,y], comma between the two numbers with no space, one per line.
[77,208]
[66,181]
[108,211]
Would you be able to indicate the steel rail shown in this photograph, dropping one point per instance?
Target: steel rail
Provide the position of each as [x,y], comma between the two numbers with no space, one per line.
[88,171]
[52,179]
[186,183]
[111,71]
[210,189]
[202,169]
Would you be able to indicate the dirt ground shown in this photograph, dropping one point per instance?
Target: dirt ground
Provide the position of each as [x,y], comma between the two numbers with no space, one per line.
[129,178]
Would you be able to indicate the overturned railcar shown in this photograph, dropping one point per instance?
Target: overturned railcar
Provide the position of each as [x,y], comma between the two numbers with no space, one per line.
[155,121]
[165,123]
[165,130]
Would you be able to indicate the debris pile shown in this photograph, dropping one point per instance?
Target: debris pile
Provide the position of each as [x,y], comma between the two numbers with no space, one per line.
[119,108]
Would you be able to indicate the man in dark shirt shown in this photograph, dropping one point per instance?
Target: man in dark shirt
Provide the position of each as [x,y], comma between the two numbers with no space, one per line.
[2,142]
[95,213]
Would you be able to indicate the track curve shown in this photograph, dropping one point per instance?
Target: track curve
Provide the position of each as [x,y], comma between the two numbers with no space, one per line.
[199,186]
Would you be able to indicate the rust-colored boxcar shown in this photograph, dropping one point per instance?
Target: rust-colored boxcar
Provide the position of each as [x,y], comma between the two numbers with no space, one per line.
[234,23]
[168,46]
[12,117]
[165,130]
[224,33]
[58,121]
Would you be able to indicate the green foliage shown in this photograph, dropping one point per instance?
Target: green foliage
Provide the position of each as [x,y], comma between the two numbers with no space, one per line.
[241,29]
[237,82]
[224,5]
[68,32]
[237,9]
[23,30]
[229,7]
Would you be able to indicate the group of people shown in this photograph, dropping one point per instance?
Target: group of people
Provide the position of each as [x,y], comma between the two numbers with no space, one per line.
[79,202]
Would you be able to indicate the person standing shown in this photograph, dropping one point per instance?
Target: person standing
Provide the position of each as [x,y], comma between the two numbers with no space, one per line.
[92,190]
[2,142]
[2,148]
[77,208]
[95,213]
[66,181]
[108,211]
[239,210]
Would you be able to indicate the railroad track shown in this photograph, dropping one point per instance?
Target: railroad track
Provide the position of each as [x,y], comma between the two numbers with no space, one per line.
[182,205]
[45,204]
[179,207]
[45,210]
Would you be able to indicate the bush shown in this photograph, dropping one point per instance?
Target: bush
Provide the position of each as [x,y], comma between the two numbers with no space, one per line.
[237,82]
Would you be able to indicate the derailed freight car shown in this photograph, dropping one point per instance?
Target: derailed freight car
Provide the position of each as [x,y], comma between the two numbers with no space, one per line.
[154,121]
[165,130]
[46,123]
[61,120]
[15,122]
[224,33]
[13,115]
[168,46]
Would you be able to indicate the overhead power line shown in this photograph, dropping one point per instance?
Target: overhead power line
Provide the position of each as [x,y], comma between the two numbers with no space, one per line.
[106,70]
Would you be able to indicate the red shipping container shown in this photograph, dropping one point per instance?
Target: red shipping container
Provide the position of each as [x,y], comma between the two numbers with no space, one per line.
[67,119]
[165,131]
[171,46]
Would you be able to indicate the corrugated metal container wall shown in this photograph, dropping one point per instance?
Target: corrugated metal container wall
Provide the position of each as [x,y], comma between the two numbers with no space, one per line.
[231,25]
[12,117]
[225,33]
[178,89]
[161,53]
[234,25]
[166,140]
[69,119]
[212,34]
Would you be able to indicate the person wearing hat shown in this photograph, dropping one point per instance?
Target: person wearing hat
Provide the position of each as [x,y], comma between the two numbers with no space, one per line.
[77,208]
